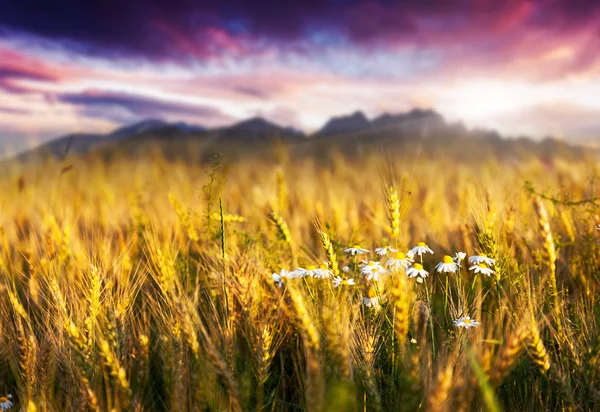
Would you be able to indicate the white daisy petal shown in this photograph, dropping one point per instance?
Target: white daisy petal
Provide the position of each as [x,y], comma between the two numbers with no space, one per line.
[482,258]
[356,250]
[483,269]
[370,302]
[421,249]
[466,322]
[417,270]
[447,265]
[372,270]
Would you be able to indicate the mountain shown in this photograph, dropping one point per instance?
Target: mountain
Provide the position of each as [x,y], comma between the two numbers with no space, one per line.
[255,135]
[355,122]
[418,122]
[422,122]
[351,135]
[144,126]
[76,143]
[257,130]
[81,143]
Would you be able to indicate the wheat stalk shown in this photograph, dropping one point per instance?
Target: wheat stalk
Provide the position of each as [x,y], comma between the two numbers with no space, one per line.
[438,400]
[509,354]
[548,241]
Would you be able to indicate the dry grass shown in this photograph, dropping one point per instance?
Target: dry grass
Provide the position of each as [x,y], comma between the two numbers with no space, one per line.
[147,285]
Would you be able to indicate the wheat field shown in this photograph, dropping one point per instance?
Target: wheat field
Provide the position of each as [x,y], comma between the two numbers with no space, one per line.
[155,284]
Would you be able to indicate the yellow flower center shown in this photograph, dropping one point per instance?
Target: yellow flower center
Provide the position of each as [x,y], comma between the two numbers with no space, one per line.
[418,266]
[323,266]
[356,247]
[483,255]
[371,293]
[448,259]
[467,321]
[421,244]
[399,255]
[482,265]
[312,267]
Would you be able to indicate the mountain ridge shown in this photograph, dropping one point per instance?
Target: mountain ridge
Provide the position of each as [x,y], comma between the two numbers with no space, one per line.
[354,129]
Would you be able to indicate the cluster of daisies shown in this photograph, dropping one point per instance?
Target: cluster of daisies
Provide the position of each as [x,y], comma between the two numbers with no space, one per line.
[391,260]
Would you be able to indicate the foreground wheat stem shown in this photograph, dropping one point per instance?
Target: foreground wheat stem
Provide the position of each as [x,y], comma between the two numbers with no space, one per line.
[431,317]
[393,203]
[223,283]
[430,311]
[284,232]
[550,249]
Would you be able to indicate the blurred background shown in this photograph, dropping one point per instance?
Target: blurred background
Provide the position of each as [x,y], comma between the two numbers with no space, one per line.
[87,69]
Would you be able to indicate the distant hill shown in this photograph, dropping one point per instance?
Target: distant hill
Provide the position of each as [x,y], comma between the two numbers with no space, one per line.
[352,134]
[258,130]
[421,123]
[81,143]
[355,122]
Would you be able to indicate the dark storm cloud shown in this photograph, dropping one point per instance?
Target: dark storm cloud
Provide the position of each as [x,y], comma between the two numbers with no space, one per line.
[183,29]
[152,29]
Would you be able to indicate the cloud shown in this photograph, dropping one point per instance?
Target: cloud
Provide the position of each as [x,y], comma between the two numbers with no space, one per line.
[7,72]
[101,63]
[557,118]
[122,107]
[10,77]
[251,91]
[12,110]
[184,30]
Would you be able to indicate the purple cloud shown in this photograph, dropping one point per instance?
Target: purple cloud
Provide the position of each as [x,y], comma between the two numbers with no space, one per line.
[9,77]
[184,29]
[7,72]
[11,110]
[121,107]
[252,92]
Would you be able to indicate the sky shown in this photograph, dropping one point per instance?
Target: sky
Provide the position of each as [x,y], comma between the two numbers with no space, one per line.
[520,67]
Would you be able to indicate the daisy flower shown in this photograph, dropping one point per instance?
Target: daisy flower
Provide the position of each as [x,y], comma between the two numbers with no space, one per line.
[400,260]
[383,251]
[482,268]
[416,270]
[371,302]
[482,258]
[356,250]
[5,403]
[318,272]
[345,269]
[420,249]
[459,256]
[466,322]
[337,281]
[298,273]
[280,277]
[447,265]
[372,270]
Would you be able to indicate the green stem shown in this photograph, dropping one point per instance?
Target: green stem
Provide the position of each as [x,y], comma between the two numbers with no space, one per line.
[430,317]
